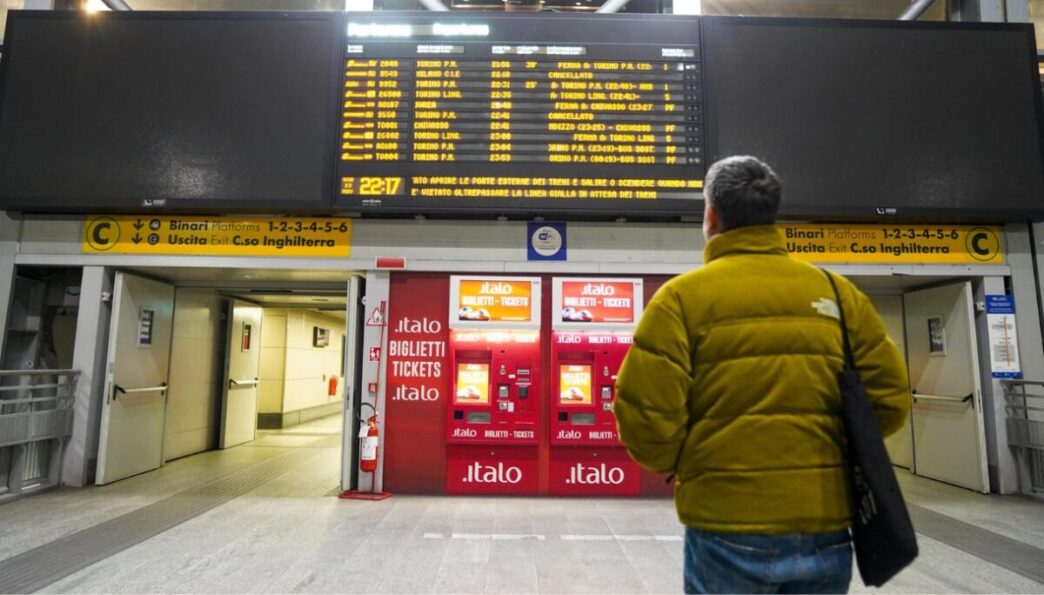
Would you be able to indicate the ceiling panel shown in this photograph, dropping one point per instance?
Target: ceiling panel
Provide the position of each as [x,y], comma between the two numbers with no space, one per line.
[225,277]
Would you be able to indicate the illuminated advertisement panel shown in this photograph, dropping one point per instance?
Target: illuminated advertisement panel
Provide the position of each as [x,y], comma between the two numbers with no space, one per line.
[494,302]
[472,384]
[584,301]
[588,303]
[574,384]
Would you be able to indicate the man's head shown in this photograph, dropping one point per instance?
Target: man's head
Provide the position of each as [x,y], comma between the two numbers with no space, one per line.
[739,191]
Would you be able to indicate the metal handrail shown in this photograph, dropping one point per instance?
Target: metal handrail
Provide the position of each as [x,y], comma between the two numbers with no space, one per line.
[4,373]
[1025,429]
[1014,382]
[233,382]
[1021,408]
[35,408]
[20,387]
[46,399]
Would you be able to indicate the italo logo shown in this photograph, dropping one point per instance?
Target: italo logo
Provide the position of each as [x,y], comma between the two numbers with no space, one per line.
[598,289]
[415,393]
[465,433]
[595,475]
[499,473]
[569,435]
[496,288]
[412,326]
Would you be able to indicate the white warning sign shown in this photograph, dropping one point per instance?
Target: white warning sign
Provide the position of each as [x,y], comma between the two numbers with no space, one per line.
[376,317]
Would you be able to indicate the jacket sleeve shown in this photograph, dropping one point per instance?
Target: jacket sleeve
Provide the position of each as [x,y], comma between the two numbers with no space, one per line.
[881,366]
[653,386]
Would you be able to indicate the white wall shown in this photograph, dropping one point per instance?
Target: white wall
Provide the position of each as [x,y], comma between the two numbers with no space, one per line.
[273,360]
[308,368]
[195,368]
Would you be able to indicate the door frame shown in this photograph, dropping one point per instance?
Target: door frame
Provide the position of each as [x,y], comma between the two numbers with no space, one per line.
[352,387]
[908,428]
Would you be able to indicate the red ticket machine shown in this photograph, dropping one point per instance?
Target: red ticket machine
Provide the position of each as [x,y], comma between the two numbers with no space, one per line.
[593,325]
[493,420]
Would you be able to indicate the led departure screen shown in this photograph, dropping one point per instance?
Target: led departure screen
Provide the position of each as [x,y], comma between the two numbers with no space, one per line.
[169,110]
[872,119]
[525,113]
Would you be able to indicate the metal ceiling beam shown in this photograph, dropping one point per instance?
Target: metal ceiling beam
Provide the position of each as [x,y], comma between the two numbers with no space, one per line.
[612,5]
[435,5]
[118,5]
[916,9]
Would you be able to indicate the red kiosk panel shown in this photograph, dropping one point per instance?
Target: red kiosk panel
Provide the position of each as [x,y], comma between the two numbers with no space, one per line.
[493,423]
[593,329]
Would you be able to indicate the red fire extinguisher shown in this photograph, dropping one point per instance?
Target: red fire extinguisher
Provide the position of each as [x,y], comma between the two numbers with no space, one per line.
[368,443]
[332,387]
[368,450]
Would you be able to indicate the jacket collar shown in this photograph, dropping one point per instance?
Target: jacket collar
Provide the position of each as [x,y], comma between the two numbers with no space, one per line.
[755,239]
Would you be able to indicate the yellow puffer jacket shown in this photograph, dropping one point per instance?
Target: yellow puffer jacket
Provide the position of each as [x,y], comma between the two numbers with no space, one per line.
[731,385]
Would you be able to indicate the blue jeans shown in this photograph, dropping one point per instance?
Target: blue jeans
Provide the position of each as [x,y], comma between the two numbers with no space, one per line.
[738,563]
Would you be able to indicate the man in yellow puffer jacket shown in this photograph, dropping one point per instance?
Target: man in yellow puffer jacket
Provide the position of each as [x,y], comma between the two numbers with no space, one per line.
[731,385]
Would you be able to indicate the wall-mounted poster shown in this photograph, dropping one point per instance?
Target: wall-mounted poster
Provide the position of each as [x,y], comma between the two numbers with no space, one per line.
[936,335]
[320,336]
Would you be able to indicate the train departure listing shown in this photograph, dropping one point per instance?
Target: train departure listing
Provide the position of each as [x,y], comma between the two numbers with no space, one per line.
[531,124]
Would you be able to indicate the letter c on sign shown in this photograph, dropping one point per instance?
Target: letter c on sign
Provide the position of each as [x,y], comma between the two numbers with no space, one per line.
[102,233]
[983,245]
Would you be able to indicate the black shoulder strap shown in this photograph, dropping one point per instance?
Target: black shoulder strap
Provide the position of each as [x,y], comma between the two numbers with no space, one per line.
[849,358]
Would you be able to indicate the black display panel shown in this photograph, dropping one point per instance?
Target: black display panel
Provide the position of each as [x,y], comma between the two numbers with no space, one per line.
[599,115]
[185,111]
[863,119]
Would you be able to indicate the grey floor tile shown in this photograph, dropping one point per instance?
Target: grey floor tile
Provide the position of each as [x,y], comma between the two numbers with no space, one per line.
[512,576]
[467,551]
[460,578]
[506,551]
[557,575]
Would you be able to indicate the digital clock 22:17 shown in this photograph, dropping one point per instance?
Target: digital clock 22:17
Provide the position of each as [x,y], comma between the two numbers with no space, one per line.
[372,186]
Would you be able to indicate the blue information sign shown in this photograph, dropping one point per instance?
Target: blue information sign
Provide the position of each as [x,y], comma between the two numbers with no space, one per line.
[547,241]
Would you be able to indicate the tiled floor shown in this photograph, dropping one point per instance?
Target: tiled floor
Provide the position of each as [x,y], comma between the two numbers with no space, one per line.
[291,534]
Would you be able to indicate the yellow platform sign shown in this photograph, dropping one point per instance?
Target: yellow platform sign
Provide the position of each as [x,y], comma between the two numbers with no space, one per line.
[894,244]
[218,236]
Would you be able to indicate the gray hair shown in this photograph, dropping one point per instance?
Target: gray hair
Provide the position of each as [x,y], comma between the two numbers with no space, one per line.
[743,191]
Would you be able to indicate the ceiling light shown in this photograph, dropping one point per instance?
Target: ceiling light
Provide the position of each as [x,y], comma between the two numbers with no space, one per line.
[688,7]
[95,6]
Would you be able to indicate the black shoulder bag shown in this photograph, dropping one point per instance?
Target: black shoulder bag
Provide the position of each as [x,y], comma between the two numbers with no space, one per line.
[882,533]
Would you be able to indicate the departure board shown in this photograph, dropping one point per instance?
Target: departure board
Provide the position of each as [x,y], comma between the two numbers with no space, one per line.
[512,113]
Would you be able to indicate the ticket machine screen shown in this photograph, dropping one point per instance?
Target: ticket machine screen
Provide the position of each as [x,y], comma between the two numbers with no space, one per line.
[472,384]
[574,384]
